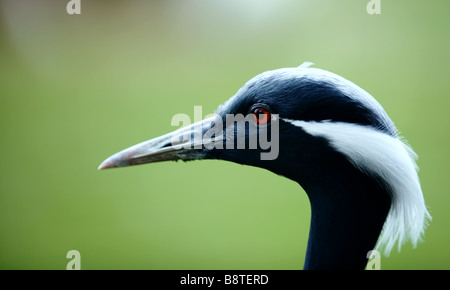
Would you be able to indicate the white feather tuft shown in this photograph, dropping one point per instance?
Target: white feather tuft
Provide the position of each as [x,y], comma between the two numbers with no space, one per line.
[389,158]
[306,64]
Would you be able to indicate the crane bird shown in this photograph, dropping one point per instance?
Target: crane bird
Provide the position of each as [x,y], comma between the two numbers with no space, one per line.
[335,140]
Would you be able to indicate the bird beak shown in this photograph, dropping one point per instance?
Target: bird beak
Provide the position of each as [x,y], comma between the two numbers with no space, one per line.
[187,143]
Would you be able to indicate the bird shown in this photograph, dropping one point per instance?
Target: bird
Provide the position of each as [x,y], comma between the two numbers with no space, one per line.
[334,139]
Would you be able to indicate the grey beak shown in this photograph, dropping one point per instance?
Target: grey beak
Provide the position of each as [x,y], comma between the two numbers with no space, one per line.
[187,143]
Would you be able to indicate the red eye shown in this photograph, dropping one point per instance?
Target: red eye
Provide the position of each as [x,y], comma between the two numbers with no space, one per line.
[262,116]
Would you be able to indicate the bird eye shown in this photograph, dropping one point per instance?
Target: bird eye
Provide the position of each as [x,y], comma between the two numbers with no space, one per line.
[262,115]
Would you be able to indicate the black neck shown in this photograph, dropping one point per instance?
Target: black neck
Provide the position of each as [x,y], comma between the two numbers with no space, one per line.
[348,207]
[348,210]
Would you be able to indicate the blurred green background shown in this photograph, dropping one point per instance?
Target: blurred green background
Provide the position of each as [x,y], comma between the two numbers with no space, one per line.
[77,88]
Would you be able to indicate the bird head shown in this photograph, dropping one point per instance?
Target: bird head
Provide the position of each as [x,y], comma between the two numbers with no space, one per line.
[311,126]
[252,125]
[261,125]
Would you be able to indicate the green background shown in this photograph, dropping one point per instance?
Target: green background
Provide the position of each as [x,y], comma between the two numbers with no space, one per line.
[75,89]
